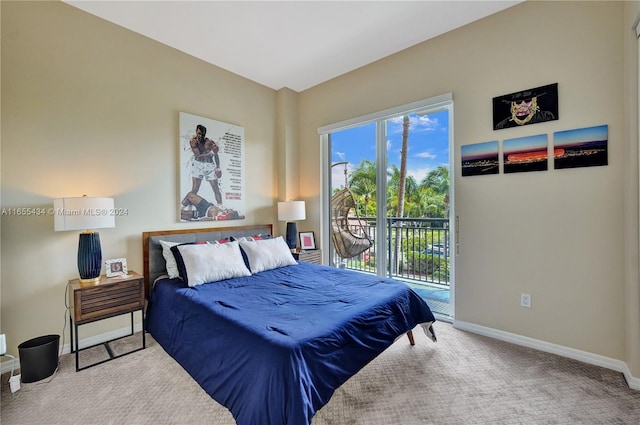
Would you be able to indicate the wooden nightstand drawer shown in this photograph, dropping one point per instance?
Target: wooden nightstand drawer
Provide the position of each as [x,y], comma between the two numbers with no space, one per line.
[110,297]
[96,303]
[311,256]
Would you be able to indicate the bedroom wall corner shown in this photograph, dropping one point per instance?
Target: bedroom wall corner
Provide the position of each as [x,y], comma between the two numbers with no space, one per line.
[89,107]
[288,164]
[631,15]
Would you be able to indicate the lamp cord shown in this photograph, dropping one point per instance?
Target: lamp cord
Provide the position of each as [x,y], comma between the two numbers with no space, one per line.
[13,363]
[64,321]
[13,368]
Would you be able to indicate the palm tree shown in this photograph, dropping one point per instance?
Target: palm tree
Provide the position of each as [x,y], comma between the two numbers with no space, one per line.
[403,165]
[393,185]
[425,202]
[402,183]
[365,191]
[363,182]
[438,180]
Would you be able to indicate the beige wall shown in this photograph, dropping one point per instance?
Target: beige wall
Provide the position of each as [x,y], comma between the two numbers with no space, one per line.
[91,108]
[88,107]
[558,235]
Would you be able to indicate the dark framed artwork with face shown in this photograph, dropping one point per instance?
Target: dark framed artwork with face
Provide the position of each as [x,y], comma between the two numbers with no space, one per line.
[526,107]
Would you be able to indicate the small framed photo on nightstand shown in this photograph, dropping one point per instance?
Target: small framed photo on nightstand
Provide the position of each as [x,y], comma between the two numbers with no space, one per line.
[307,240]
[116,267]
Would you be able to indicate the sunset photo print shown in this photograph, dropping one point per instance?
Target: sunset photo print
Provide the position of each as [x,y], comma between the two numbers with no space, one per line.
[525,154]
[480,158]
[583,147]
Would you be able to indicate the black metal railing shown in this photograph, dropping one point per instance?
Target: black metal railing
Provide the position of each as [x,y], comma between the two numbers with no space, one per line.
[417,249]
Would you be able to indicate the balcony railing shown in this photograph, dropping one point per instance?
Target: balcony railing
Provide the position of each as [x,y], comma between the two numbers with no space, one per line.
[417,249]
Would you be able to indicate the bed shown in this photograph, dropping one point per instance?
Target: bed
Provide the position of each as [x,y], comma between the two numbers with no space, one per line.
[274,344]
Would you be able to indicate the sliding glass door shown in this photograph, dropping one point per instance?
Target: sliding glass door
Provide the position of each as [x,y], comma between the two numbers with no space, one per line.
[388,193]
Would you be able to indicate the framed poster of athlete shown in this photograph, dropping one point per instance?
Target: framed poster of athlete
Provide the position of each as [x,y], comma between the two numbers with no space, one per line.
[211,170]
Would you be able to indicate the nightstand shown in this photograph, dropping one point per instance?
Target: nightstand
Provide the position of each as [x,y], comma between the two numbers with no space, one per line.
[310,256]
[110,297]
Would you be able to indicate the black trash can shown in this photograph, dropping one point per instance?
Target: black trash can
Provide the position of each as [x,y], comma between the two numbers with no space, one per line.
[38,358]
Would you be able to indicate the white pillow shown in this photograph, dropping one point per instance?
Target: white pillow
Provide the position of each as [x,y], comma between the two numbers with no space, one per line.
[205,263]
[267,254]
[169,259]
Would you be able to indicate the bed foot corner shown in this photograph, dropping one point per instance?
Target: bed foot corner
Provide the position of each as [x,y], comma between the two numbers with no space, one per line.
[411,340]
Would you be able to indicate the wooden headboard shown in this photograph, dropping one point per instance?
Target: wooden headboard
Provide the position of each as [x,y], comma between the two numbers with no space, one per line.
[154,264]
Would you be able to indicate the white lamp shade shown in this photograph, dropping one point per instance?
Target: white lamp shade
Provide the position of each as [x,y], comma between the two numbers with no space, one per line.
[83,213]
[291,210]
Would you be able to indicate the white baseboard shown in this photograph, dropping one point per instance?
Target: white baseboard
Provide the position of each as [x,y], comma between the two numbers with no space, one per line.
[442,318]
[583,356]
[6,366]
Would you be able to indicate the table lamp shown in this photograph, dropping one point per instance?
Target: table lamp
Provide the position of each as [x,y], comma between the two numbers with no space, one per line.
[290,211]
[85,213]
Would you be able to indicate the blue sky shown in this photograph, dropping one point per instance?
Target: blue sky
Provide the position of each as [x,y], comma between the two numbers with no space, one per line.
[428,145]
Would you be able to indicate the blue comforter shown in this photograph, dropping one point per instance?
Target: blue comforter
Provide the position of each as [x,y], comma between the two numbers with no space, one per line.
[274,346]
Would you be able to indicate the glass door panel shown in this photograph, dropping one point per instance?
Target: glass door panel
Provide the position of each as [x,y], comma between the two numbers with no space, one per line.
[353,179]
[417,189]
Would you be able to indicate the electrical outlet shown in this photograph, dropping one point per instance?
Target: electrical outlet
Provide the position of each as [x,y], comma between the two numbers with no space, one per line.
[3,345]
[525,300]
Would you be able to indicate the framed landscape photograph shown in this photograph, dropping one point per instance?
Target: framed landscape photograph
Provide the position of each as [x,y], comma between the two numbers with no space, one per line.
[582,147]
[480,158]
[525,154]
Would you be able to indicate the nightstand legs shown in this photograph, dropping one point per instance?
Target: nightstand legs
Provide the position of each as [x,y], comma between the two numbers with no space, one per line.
[75,349]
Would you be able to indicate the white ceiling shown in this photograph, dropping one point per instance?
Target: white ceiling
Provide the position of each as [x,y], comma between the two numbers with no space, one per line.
[294,44]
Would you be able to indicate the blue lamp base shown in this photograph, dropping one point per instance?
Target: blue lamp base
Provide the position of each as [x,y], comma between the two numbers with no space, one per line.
[292,235]
[89,257]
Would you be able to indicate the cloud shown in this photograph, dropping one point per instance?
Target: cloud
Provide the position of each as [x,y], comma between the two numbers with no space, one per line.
[417,123]
[426,123]
[419,173]
[427,155]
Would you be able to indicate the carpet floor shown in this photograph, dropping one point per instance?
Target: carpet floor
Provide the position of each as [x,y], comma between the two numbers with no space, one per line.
[461,379]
